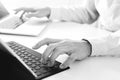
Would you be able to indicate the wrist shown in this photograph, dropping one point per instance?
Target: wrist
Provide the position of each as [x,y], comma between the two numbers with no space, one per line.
[48,12]
[45,12]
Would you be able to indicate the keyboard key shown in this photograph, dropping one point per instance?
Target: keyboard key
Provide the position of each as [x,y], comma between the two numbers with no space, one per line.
[29,63]
[25,53]
[32,56]
[18,53]
[33,65]
[38,63]
[37,67]
[33,61]
[37,58]
[26,61]
[29,55]
[29,59]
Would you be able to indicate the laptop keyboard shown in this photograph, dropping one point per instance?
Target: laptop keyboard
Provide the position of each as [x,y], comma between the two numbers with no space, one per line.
[32,61]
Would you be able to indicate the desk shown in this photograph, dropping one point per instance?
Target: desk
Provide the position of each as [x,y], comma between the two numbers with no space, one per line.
[93,68]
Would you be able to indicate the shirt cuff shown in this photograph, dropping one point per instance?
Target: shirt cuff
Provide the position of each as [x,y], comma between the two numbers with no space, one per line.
[90,47]
[103,46]
[98,47]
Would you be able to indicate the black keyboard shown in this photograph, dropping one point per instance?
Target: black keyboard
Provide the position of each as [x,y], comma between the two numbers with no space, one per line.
[32,61]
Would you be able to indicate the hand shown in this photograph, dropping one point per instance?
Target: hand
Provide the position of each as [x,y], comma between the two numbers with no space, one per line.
[77,50]
[31,12]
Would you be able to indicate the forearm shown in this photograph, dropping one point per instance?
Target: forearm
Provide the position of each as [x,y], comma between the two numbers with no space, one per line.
[86,14]
[46,11]
[80,15]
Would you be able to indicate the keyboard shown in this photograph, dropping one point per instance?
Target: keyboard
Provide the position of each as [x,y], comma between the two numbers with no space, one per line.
[32,61]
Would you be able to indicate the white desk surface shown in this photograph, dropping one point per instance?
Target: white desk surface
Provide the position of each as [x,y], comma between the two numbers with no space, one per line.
[93,68]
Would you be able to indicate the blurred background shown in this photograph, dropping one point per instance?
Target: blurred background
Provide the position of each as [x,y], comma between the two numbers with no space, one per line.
[12,4]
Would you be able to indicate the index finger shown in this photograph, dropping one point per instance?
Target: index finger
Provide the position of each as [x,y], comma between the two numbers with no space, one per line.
[24,9]
[46,41]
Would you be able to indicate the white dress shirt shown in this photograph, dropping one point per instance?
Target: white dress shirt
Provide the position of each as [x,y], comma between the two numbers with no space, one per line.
[108,14]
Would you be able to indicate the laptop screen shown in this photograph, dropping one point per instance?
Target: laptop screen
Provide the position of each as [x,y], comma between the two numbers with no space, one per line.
[3,11]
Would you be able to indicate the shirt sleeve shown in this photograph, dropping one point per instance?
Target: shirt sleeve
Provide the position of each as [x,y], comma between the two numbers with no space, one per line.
[87,14]
[106,46]
[110,19]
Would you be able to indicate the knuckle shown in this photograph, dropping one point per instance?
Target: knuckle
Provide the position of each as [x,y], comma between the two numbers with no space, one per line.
[44,40]
[71,58]
[51,46]
[47,39]
[40,42]
[58,49]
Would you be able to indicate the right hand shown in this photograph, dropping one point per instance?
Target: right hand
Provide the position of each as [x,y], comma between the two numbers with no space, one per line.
[31,12]
[76,50]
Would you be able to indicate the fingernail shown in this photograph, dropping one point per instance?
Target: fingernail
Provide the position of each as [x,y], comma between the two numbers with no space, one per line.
[50,64]
[43,61]
[34,47]
[62,66]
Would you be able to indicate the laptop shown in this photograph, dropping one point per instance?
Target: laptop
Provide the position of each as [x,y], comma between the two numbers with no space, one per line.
[30,60]
[10,24]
